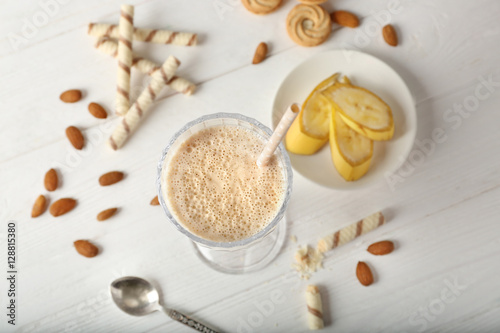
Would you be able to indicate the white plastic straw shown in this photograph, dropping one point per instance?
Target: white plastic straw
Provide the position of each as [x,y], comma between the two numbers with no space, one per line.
[280,131]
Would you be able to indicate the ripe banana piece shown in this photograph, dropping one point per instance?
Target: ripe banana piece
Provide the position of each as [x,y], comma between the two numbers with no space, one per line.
[361,110]
[309,131]
[351,152]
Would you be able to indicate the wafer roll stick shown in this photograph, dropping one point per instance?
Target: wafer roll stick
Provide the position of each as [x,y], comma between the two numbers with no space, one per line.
[139,109]
[124,59]
[351,232]
[314,308]
[146,35]
[275,139]
[146,66]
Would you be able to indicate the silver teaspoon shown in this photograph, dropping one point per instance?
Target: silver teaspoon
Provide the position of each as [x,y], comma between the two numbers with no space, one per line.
[138,297]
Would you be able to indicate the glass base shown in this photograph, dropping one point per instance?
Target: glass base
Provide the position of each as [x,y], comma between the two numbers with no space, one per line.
[249,259]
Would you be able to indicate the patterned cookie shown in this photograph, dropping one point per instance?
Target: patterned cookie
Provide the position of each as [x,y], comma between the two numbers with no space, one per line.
[308,25]
[313,2]
[261,7]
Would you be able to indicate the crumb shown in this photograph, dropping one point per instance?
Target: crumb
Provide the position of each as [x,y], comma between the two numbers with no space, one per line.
[293,238]
[308,261]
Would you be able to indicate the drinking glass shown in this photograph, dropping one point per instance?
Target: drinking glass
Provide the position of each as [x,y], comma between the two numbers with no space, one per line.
[249,254]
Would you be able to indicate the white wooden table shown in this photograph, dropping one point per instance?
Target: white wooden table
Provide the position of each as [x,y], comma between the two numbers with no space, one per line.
[443,212]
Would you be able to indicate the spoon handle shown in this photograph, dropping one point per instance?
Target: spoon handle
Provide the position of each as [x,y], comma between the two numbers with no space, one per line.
[188,321]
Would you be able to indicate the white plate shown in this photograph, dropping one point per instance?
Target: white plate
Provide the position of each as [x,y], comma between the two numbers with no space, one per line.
[366,71]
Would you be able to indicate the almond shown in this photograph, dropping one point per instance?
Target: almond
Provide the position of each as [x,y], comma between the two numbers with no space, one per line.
[51,180]
[345,19]
[106,214]
[364,274]
[155,201]
[381,248]
[110,178]
[39,207]
[390,35]
[86,248]
[62,206]
[71,96]
[260,53]
[75,137]
[97,111]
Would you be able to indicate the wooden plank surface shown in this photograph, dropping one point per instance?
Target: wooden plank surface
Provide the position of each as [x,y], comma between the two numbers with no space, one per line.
[443,215]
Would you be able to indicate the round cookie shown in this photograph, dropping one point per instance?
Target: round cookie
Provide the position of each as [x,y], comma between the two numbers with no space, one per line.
[312,2]
[261,7]
[308,25]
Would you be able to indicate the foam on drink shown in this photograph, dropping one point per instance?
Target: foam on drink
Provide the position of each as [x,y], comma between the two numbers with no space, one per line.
[215,189]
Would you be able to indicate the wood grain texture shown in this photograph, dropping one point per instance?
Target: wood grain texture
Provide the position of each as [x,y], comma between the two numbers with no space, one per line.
[443,217]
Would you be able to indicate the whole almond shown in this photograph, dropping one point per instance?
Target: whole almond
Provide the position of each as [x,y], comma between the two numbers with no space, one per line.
[39,207]
[75,137]
[390,35]
[110,178]
[71,96]
[51,180]
[97,111]
[381,248]
[260,53]
[106,214]
[86,248]
[364,274]
[345,19]
[155,201]
[62,206]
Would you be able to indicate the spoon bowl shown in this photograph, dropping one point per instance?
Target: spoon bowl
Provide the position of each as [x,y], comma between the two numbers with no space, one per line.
[135,296]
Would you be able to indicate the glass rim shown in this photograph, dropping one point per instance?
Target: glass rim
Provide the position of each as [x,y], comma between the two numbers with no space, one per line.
[284,160]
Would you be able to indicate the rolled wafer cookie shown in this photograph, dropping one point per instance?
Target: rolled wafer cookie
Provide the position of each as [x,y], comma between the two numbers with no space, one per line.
[350,232]
[308,25]
[145,35]
[146,66]
[139,109]
[314,308]
[126,29]
[261,7]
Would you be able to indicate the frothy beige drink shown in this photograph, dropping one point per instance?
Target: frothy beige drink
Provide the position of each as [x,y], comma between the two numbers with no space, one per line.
[215,189]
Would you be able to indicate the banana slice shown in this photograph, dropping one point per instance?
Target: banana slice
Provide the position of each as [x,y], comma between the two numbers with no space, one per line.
[317,109]
[351,152]
[297,142]
[361,110]
[309,131]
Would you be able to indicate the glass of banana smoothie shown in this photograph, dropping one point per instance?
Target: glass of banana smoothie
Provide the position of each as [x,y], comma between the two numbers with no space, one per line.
[211,189]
